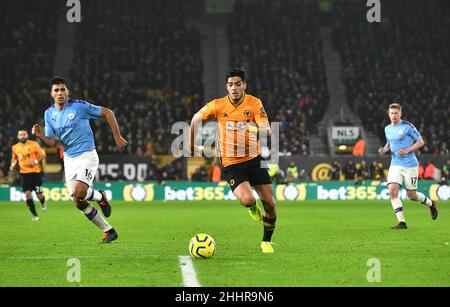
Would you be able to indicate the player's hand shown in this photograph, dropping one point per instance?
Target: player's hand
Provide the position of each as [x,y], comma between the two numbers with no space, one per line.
[381,151]
[121,142]
[31,164]
[37,130]
[252,127]
[403,152]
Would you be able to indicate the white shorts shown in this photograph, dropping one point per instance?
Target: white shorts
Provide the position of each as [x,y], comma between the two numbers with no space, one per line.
[82,168]
[399,174]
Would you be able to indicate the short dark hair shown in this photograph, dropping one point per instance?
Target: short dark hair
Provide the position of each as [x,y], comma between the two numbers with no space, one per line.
[236,72]
[58,80]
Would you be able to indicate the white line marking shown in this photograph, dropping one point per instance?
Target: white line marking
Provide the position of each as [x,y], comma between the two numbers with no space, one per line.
[67,257]
[188,272]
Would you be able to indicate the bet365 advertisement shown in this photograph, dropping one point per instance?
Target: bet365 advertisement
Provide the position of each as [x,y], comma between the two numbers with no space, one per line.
[176,190]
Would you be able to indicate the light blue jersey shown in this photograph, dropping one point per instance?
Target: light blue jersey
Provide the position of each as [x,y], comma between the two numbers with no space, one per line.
[71,126]
[402,136]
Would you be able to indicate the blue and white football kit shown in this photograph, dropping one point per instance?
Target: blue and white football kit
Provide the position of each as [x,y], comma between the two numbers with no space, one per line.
[403,169]
[71,126]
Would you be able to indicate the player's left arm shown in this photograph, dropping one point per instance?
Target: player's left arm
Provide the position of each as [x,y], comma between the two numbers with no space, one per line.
[112,122]
[262,121]
[418,141]
[40,153]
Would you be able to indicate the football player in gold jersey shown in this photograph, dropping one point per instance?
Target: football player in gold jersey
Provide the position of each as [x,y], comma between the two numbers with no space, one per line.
[240,118]
[28,155]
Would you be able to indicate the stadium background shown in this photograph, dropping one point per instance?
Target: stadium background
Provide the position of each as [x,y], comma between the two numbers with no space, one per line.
[323,72]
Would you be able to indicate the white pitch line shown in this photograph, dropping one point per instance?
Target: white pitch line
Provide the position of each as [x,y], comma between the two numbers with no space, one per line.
[188,272]
[66,257]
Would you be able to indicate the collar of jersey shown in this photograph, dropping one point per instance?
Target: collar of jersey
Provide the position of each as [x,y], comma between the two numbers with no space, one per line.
[68,101]
[399,123]
[237,104]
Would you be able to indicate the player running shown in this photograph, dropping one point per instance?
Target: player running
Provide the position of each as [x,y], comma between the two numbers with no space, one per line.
[402,140]
[67,121]
[240,116]
[29,156]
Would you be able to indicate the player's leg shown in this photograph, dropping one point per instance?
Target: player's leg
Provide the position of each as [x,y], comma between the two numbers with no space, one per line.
[244,194]
[237,178]
[89,161]
[411,184]
[260,180]
[79,179]
[79,194]
[266,194]
[39,191]
[30,205]
[395,181]
[27,187]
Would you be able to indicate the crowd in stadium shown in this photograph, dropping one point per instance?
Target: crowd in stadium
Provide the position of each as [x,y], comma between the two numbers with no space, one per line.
[285,64]
[26,60]
[403,59]
[150,75]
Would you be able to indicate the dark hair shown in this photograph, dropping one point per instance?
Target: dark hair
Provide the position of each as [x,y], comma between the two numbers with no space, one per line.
[236,72]
[58,80]
[22,129]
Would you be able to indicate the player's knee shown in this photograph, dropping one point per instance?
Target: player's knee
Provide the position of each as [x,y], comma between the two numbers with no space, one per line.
[269,207]
[247,200]
[28,195]
[411,195]
[79,192]
[393,193]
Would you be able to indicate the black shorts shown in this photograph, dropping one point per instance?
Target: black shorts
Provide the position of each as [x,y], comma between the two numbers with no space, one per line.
[32,182]
[250,171]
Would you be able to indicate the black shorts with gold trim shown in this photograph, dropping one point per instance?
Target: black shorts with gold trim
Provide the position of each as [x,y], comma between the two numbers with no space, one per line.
[251,171]
[32,182]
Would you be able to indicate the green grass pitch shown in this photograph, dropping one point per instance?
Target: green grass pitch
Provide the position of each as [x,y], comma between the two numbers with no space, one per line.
[318,244]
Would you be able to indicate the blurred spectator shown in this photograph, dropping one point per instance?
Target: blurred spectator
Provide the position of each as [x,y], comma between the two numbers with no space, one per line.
[154,173]
[421,170]
[292,172]
[216,173]
[303,175]
[362,170]
[430,171]
[376,170]
[335,171]
[349,170]
[200,174]
[446,169]
[359,147]
[276,173]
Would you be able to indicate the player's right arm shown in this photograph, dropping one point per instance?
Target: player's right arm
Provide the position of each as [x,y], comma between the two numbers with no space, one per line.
[13,160]
[49,141]
[385,149]
[207,112]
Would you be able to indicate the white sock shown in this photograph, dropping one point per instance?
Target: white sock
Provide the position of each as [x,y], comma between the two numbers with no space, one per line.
[398,209]
[96,218]
[423,199]
[92,194]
